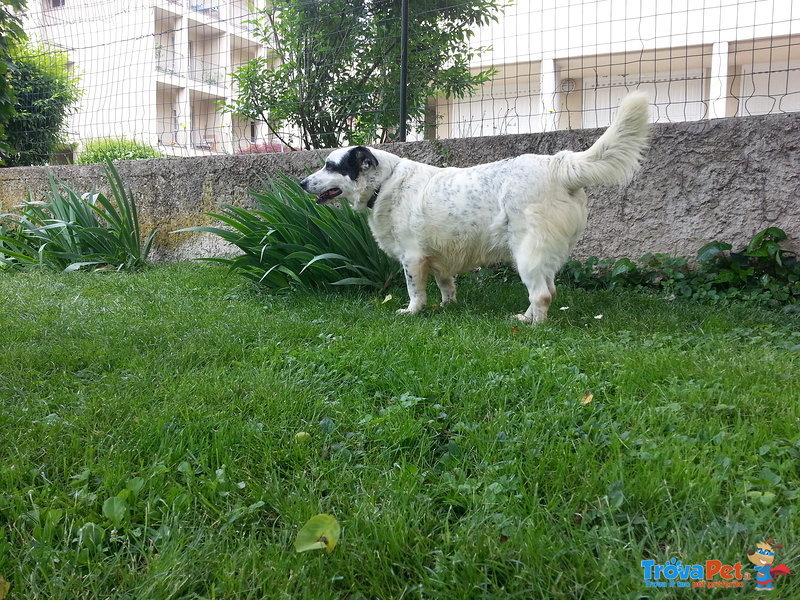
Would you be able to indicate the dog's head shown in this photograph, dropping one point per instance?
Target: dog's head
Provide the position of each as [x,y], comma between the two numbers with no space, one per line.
[351,173]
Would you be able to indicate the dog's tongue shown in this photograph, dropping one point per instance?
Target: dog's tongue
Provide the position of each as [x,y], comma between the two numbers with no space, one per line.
[328,195]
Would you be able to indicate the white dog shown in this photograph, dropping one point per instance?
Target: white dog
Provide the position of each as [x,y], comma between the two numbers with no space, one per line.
[529,210]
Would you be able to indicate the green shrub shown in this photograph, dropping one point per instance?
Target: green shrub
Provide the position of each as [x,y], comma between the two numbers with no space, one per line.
[45,93]
[762,271]
[11,34]
[67,230]
[115,149]
[291,241]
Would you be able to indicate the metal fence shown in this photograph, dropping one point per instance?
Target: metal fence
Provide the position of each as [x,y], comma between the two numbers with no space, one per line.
[157,71]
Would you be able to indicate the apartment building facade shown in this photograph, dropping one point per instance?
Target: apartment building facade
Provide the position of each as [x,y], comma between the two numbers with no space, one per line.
[565,64]
[154,70]
[157,70]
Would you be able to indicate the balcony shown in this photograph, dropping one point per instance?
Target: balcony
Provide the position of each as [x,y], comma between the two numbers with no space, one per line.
[245,24]
[206,139]
[206,8]
[206,72]
[169,61]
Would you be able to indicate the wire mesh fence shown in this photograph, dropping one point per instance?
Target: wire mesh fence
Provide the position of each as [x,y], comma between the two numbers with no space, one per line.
[203,77]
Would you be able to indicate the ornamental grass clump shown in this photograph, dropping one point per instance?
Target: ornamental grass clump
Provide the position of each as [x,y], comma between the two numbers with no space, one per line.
[288,241]
[67,230]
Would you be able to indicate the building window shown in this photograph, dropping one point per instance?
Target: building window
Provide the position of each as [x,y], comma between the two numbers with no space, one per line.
[56,3]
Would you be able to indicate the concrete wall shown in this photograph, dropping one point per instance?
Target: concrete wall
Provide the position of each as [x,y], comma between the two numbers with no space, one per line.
[722,179]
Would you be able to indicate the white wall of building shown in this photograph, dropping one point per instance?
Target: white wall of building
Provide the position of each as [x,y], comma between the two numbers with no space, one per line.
[696,59]
[153,70]
[156,70]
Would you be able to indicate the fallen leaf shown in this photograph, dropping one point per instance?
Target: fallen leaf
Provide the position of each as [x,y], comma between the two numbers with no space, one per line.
[320,532]
[302,437]
[587,397]
[388,297]
[4,587]
[514,330]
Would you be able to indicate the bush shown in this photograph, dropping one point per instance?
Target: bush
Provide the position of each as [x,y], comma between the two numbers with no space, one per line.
[45,92]
[11,34]
[291,241]
[68,231]
[115,149]
[762,271]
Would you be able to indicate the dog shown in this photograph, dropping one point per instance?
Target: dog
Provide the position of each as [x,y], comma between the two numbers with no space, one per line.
[529,210]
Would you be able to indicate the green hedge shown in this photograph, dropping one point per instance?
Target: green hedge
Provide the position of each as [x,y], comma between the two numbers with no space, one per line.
[115,149]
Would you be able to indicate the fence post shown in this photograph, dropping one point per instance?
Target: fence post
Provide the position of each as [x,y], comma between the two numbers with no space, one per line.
[720,81]
[403,69]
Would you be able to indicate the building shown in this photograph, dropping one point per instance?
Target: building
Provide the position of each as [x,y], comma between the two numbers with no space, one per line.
[157,70]
[154,70]
[567,63]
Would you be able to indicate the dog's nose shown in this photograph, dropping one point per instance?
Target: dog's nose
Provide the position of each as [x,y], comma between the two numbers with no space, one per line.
[304,183]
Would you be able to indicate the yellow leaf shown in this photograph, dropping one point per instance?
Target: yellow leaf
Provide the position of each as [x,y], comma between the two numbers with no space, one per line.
[388,297]
[320,532]
[4,587]
[587,397]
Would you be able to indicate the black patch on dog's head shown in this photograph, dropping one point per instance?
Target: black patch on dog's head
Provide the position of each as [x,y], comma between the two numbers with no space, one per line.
[358,159]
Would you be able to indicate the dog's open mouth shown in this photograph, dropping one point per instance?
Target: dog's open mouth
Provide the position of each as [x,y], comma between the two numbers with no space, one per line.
[328,195]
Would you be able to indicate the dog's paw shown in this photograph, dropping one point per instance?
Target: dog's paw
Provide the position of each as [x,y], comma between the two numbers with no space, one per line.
[532,319]
[406,311]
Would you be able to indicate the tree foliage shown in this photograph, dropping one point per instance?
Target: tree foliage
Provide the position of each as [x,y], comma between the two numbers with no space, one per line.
[11,33]
[332,70]
[45,92]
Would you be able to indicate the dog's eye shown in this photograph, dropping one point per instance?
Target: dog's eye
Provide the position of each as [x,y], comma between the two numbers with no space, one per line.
[329,166]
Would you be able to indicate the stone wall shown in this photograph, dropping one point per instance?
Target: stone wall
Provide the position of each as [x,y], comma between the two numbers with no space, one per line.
[722,179]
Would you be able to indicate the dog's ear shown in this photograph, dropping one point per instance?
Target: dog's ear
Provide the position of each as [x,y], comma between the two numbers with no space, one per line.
[363,158]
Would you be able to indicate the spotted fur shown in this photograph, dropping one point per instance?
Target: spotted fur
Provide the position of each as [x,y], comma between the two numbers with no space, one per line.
[529,210]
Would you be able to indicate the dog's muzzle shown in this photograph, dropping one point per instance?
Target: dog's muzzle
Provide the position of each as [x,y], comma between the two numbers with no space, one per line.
[325,196]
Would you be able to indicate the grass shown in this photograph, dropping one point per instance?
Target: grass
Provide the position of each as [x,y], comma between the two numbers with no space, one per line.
[454,448]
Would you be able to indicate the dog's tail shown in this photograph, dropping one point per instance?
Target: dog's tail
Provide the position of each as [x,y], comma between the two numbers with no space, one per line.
[614,158]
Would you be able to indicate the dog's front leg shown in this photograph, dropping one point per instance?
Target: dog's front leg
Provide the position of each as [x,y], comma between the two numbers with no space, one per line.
[416,271]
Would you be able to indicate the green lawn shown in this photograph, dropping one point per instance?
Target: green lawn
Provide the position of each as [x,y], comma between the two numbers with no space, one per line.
[458,449]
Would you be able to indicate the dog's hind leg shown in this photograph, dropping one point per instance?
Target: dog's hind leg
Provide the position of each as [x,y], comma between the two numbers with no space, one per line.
[416,271]
[537,271]
[540,294]
[447,286]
